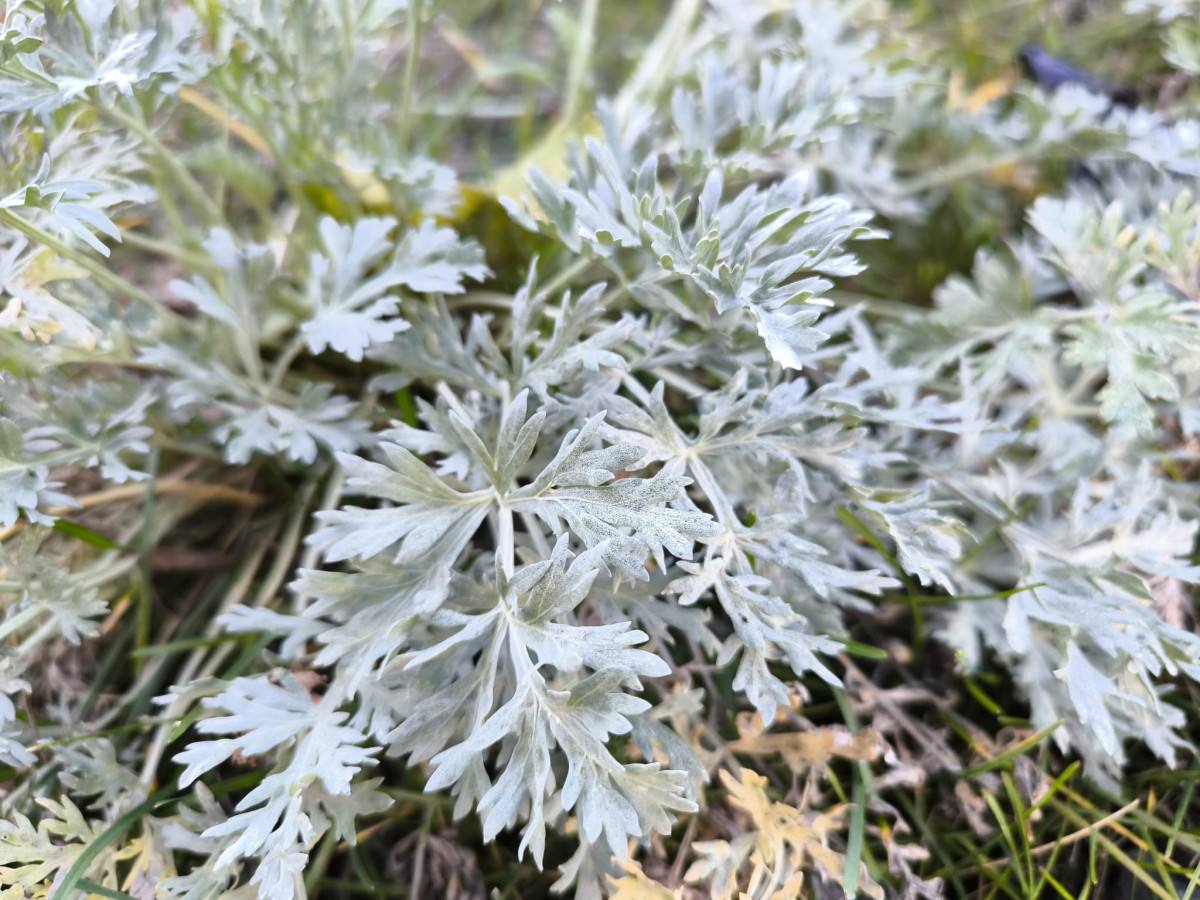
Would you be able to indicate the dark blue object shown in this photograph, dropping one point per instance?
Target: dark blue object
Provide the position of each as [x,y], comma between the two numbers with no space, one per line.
[1052,73]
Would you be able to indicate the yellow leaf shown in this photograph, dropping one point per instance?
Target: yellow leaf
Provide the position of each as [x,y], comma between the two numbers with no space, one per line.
[985,94]
[1016,177]
[549,155]
[749,792]
[46,267]
[833,864]
[791,890]
[636,886]
[813,749]
[991,91]
[955,91]
[372,193]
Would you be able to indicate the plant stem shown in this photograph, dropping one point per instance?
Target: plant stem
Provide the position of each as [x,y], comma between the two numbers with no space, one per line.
[99,273]
[580,57]
[195,261]
[44,631]
[566,276]
[416,27]
[186,182]
[284,362]
[23,617]
[658,60]
[972,167]
[507,539]
[145,587]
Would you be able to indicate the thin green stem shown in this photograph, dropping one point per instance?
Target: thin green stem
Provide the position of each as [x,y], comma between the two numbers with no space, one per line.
[99,273]
[658,60]
[416,28]
[566,276]
[580,58]
[330,498]
[164,734]
[94,887]
[22,618]
[47,630]
[319,864]
[861,787]
[284,362]
[114,832]
[194,261]
[192,189]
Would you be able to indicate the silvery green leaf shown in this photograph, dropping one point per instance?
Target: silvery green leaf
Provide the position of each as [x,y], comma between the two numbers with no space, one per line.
[317,420]
[429,511]
[264,714]
[434,349]
[91,769]
[577,487]
[297,631]
[367,616]
[570,349]
[12,743]
[521,649]
[274,821]
[650,732]
[1183,47]
[775,539]
[65,205]
[1135,321]
[992,318]
[364,799]
[647,605]
[23,481]
[765,627]
[98,425]
[526,775]
[1088,688]
[105,48]
[612,800]
[928,542]
[351,285]
[22,34]
[429,259]
[248,276]
[785,425]
[762,251]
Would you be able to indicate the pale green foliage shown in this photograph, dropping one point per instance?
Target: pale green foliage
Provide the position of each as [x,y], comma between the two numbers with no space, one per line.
[29,854]
[672,437]
[745,252]
[349,303]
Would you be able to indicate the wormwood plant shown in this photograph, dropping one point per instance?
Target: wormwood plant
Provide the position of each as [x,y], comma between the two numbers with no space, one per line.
[328,479]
